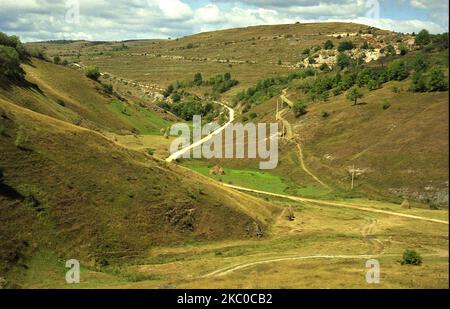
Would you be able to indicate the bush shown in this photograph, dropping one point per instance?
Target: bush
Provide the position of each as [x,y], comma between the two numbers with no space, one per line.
[10,64]
[299,108]
[168,91]
[198,79]
[92,72]
[328,45]
[56,60]
[437,81]
[343,60]
[411,257]
[345,45]
[386,105]
[418,82]
[253,115]
[397,70]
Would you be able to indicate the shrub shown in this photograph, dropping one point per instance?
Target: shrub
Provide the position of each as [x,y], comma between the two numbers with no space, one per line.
[253,115]
[244,118]
[198,79]
[437,80]
[386,105]
[411,257]
[65,62]
[306,51]
[168,91]
[176,97]
[299,108]
[345,45]
[418,82]
[328,45]
[92,72]
[397,70]
[56,60]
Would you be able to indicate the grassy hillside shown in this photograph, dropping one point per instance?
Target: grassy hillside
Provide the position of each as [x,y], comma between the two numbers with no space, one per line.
[68,95]
[248,53]
[71,191]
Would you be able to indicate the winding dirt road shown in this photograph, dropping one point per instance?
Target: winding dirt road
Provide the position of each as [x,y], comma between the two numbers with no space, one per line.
[335,204]
[181,152]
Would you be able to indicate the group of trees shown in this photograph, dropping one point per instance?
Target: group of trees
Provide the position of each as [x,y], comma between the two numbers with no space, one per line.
[220,83]
[269,88]
[191,106]
[12,54]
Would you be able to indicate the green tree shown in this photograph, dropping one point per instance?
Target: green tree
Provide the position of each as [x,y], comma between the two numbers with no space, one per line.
[342,60]
[92,72]
[397,70]
[418,82]
[419,63]
[299,108]
[10,64]
[176,97]
[423,38]
[353,94]
[437,80]
[168,91]
[328,45]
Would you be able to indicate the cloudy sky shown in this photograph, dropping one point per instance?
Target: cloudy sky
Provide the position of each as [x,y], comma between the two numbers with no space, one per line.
[35,20]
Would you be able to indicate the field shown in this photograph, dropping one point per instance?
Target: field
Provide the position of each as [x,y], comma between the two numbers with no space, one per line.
[298,254]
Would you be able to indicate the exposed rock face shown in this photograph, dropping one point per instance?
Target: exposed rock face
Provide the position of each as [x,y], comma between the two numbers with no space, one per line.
[217,171]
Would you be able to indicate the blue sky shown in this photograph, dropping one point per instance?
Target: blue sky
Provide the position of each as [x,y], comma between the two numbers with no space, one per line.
[35,20]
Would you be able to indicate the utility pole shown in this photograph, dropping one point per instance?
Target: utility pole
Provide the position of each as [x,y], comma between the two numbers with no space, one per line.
[353,176]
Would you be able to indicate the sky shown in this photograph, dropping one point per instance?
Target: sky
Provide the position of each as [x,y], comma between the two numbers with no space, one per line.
[115,20]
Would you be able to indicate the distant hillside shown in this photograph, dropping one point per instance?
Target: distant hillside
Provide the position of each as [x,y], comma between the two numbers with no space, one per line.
[68,95]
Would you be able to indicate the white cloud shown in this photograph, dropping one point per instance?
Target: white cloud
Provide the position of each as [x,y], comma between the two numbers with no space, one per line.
[175,9]
[133,19]
[209,14]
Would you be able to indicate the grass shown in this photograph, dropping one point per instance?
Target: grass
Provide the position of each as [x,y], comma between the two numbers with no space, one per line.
[184,265]
[139,118]
[256,179]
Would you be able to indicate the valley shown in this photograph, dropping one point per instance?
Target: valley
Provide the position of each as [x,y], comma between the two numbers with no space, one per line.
[86,170]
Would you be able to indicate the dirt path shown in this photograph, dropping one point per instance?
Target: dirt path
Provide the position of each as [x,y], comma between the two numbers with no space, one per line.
[305,169]
[290,135]
[226,270]
[181,152]
[343,205]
